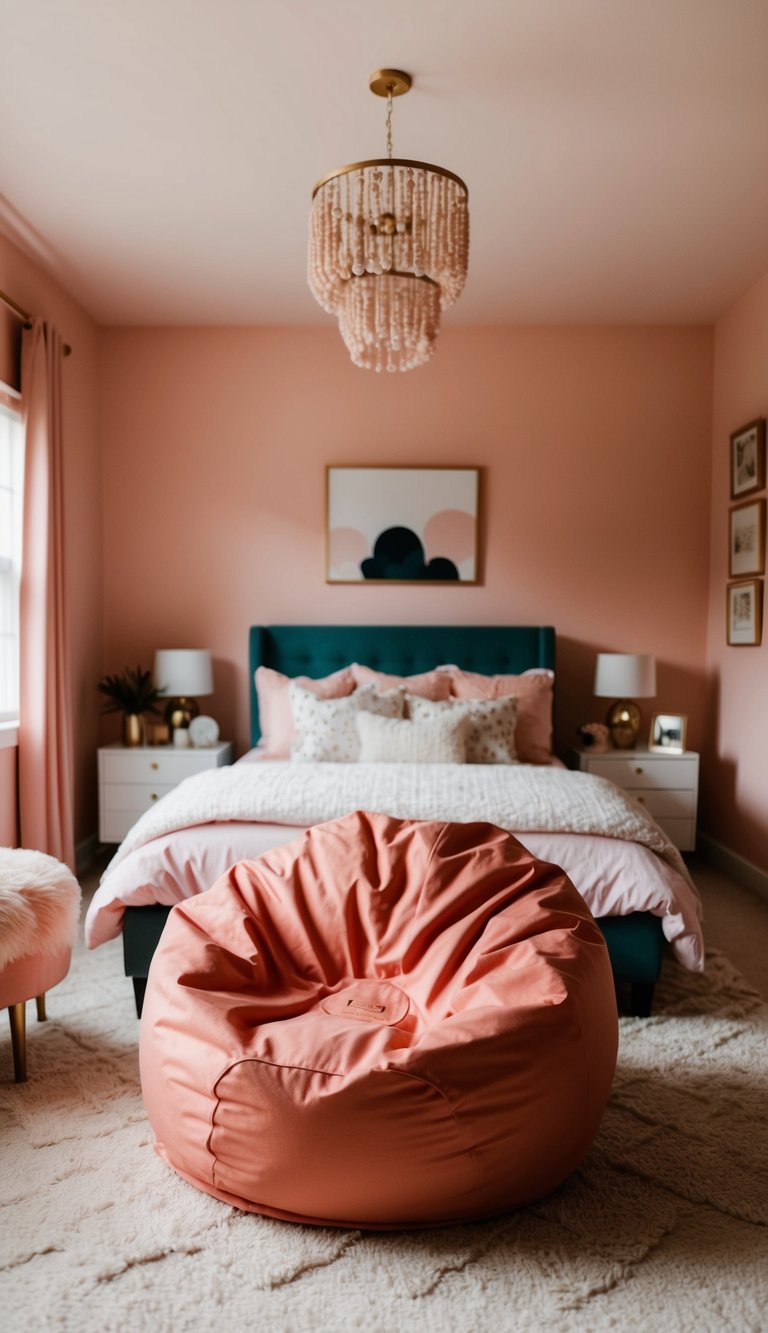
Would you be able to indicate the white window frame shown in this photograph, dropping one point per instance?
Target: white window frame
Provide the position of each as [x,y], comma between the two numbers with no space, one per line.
[11,487]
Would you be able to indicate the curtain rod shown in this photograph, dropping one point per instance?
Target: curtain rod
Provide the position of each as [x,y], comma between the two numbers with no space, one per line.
[25,316]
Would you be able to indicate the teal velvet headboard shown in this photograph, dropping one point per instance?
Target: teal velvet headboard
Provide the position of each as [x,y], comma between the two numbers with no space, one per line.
[316,650]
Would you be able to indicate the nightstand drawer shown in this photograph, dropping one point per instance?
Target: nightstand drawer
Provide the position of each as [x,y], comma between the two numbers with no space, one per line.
[669,804]
[646,772]
[131,781]
[152,766]
[134,797]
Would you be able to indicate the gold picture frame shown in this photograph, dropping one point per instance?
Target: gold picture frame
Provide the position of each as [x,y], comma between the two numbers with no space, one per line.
[402,523]
[668,733]
[744,613]
[748,459]
[746,539]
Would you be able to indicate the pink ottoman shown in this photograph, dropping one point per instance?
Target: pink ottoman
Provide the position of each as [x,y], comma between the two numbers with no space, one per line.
[39,909]
[384,1024]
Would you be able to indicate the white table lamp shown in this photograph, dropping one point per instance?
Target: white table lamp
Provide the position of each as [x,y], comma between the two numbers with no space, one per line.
[625,677]
[181,674]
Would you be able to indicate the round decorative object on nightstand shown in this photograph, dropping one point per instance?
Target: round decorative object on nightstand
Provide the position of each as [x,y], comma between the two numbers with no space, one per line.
[203,731]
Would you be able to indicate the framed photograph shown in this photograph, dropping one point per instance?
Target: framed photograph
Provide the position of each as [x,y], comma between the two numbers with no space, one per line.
[748,459]
[668,732]
[746,545]
[402,525]
[744,613]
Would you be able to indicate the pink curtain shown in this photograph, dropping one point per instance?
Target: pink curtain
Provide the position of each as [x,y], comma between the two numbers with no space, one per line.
[45,724]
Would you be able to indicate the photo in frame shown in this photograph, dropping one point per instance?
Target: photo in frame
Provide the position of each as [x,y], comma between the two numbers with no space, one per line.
[668,732]
[744,613]
[748,459]
[402,524]
[746,544]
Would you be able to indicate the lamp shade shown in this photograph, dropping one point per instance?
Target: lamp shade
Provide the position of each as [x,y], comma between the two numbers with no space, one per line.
[181,672]
[625,676]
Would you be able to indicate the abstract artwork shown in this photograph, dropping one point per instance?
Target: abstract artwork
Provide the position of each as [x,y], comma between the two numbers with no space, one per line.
[402,524]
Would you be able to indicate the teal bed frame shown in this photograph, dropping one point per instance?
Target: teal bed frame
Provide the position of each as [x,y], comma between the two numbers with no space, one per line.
[635,942]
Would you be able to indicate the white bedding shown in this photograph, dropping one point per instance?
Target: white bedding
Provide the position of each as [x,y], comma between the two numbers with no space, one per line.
[613,851]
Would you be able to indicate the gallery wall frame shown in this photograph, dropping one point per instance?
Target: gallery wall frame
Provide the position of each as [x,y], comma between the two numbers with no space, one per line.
[405,524]
[748,459]
[746,539]
[744,613]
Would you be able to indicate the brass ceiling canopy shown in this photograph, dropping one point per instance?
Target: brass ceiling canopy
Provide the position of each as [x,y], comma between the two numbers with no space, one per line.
[390,82]
[388,248]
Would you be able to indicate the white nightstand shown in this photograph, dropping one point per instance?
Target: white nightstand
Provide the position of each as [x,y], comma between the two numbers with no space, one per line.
[666,784]
[131,780]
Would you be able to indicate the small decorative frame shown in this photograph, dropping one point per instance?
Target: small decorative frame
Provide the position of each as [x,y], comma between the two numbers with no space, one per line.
[744,613]
[402,525]
[746,540]
[668,733]
[748,459]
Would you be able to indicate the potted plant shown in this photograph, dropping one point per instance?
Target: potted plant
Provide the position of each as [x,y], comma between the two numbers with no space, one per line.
[133,694]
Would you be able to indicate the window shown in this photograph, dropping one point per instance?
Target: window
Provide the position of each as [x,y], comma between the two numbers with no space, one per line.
[11,497]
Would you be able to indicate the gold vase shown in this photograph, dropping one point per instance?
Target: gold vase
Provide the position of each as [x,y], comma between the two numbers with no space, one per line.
[133,729]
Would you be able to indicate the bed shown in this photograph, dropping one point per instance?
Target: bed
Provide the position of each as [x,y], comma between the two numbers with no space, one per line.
[639,891]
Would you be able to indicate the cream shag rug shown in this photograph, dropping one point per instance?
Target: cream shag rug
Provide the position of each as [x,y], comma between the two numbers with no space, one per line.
[664,1227]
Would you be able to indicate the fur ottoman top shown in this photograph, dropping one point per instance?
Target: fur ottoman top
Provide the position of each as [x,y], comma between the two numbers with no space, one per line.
[39,904]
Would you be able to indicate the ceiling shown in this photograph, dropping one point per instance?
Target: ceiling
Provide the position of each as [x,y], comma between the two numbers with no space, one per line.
[163,152]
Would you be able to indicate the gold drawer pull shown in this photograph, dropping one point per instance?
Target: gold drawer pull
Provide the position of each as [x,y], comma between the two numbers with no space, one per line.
[154,796]
[638,770]
[154,764]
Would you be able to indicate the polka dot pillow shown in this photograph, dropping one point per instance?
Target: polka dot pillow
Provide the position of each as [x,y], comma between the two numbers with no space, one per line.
[326,731]
[490,733]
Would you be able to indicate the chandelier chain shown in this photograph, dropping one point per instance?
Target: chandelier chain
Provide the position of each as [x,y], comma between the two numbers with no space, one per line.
[389,122]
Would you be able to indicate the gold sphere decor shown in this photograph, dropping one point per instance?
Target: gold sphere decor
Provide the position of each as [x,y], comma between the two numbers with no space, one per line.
[623,721]
[388,249]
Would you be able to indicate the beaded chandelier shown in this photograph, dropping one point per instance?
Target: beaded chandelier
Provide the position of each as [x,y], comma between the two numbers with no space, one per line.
[388,249]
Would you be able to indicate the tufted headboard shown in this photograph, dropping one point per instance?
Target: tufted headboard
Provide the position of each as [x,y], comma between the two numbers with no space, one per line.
[317,650]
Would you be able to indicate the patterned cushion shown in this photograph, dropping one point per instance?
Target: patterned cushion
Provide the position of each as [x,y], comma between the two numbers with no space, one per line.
[490,733]
[533,690]
[275,717]
[326,731]
[434,740]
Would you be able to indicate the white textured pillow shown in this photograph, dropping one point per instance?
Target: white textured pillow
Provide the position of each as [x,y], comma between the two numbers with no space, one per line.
[490,734]
[326,731]
[435,740]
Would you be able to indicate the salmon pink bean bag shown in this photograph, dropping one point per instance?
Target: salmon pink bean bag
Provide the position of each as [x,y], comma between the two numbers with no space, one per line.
[385,1024]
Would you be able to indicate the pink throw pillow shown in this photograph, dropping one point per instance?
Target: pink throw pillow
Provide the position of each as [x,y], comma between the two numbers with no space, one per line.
[533,691]
[434,685]
[275,716]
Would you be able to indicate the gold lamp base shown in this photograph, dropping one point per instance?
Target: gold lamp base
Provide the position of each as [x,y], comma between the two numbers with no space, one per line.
[179,712]
[623,719]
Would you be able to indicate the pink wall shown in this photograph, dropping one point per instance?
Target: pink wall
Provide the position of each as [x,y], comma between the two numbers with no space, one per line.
[735,774]
[595,445]
[26,282]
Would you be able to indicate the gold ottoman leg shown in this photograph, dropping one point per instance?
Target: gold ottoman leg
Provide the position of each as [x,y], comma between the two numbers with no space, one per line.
[17,1015]
[40,1002]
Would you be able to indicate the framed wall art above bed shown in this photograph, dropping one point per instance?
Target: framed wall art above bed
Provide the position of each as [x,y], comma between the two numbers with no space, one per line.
[402,525]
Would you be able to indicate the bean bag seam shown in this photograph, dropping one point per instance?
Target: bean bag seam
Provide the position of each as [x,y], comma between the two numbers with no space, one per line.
[404,1073]
[463,1135]
[245,1060]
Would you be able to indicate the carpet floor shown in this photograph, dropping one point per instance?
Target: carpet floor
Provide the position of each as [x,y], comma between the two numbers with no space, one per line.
[664,1227]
